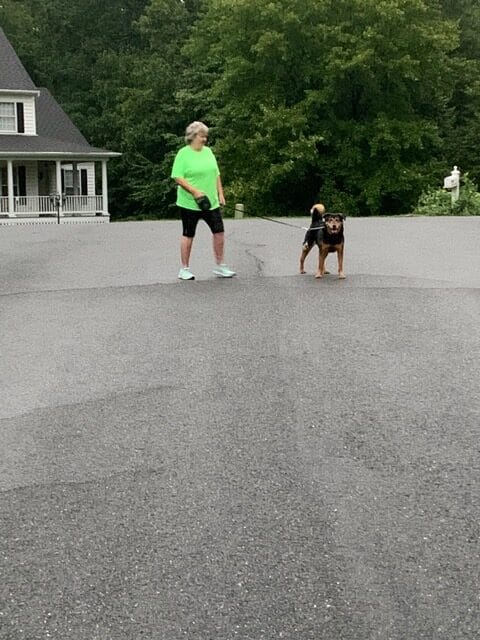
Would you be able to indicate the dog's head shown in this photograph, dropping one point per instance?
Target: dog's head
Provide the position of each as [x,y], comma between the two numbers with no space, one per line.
[333,222]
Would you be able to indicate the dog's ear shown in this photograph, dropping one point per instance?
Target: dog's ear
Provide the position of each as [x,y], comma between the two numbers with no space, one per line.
[333,215]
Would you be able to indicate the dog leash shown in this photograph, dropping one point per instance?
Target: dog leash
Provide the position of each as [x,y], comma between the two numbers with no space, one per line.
[288,224]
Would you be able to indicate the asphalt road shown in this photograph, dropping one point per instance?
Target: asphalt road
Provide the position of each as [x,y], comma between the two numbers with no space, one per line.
[266,457]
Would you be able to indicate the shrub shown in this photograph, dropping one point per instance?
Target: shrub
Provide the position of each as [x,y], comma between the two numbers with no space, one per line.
[438,202]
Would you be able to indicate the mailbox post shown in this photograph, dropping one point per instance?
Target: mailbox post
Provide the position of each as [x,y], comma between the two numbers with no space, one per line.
[239,210]
[55,199]
[452,183]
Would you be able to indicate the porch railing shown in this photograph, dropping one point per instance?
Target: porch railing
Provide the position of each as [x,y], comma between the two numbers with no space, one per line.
[82,204]
[37,205]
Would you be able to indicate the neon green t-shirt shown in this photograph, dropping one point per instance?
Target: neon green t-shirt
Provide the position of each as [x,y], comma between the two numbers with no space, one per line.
[200,169]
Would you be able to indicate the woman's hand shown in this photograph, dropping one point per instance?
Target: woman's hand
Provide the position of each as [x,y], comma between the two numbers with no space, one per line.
[188,187]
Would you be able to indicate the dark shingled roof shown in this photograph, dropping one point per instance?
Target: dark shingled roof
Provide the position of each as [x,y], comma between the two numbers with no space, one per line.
[12,72]
[56,133]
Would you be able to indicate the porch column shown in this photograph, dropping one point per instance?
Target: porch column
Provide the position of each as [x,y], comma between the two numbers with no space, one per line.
[104,188]
[76,190]
[58,182]
[11,204]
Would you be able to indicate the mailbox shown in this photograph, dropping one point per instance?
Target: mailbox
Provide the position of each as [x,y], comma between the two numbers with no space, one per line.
[450,182]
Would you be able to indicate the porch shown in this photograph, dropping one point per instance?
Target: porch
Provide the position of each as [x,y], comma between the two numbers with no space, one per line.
[52,189]
[35,206]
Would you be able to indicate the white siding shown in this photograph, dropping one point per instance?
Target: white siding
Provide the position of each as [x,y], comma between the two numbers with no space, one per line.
[29,116]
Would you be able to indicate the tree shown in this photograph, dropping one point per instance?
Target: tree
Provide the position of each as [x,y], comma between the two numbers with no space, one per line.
[146,116]
[18,24]
[464,131]
[251,65]
[359,103]
[341,97]
[85,53]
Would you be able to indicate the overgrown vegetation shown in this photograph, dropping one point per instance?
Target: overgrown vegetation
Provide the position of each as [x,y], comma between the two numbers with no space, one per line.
[438,202]
[360,103]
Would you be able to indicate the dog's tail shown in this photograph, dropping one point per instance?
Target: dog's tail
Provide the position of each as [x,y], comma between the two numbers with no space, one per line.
[317,212]
[319,208]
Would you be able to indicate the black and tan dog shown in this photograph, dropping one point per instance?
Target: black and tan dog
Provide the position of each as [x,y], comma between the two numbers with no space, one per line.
[314,233]
[326,231]
[333,241]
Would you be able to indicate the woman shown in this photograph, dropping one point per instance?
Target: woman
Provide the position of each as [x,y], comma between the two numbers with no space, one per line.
[199,195]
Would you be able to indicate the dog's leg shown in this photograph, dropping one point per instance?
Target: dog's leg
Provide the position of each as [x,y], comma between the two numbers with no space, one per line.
[322,256]
[303,255]
[341,274]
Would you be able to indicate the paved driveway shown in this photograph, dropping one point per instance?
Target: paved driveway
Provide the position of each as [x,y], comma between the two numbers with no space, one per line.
[265,457]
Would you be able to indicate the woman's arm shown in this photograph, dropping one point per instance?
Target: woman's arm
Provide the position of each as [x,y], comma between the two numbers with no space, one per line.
[188,187]
[221,197]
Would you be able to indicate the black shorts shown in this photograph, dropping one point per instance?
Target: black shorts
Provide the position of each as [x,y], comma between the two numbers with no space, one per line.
[190,220]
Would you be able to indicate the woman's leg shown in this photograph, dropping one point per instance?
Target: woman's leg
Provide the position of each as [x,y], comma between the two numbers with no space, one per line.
[215,222]
[218,246]
[189,224]
[185,250]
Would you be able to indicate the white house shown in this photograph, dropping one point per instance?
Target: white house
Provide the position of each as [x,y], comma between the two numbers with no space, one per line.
[43,154]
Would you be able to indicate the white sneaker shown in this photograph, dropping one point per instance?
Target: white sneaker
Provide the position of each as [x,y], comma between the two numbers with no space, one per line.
[185,274]
[223,271]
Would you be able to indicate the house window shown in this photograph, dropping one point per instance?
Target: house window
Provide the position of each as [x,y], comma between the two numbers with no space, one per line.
[19,181]
[67,182]
[8,120]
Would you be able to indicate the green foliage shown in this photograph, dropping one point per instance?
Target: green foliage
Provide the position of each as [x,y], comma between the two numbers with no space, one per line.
[354,102]
[462,132]
[434,202]
[19,25]
[308,103]
[67,39]
[143,114]
[438,202]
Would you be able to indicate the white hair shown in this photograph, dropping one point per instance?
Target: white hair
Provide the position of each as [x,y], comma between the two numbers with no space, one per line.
[193,129]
